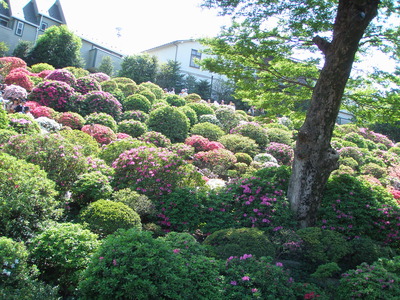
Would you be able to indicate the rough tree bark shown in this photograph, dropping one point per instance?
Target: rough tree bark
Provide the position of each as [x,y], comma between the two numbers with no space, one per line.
[315,159]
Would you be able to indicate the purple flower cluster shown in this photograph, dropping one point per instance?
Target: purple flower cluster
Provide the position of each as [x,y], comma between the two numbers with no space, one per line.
[54,94]
[86,84]
[62,75]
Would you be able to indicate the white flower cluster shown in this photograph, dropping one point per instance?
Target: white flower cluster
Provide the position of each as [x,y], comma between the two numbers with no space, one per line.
[48,125]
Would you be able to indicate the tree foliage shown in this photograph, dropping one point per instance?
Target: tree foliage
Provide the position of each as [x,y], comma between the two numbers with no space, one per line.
[140,68]
[57,46]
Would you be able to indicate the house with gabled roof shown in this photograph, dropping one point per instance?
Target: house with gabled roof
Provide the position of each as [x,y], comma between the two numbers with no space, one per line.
[25,20]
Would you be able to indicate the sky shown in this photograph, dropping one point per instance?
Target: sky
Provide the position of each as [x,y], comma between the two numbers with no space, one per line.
[143,24]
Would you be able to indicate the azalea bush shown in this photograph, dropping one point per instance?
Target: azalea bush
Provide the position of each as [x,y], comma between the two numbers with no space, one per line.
[202,144]
[62,161]
[254,131]
[148,170]
[102,119]
[48,125]
[86,84]
[105,217]
[208,130]
[54,94]
[190,114]
[20,77]
[71,119]
[201,108]
[37,68]
[138,202]
[137,102]
[136,115]
[133,128]
[209,118]
[87,144]
[23,124]
[102,134]
[174,100]
[62,75]
[90,187]
[13,91]
[10,63]
[228,118]
[280,135]
[183,150]
[61,252]
[282,152]
[99,101]
[217,161]
[21,185]
[43,111]
[110,152]
[155,138]
[100,77]
[238,143]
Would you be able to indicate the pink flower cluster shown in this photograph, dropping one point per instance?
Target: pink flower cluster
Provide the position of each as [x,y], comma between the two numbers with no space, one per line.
[54,94]
[100,77]
[62,75]
[86,84]
[201,143]
[70,119]
[102,134]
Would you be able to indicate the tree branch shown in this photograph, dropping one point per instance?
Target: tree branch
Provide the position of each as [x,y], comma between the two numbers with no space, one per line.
[321,43]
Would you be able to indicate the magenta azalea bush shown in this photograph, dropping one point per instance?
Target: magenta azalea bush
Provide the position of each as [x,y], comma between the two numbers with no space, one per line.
[62,75]
[54,94]
[201,143]
[217,161]
[282,152]
[148,170]
[102,134]
[86,84]
[99,101]
[43,111]
[155,138]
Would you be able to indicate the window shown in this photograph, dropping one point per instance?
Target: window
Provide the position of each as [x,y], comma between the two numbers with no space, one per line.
[20,28]
[196,55]
[43,26]
[3,21]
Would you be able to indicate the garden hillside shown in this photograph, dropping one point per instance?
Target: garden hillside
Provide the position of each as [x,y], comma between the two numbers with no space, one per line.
[111,189]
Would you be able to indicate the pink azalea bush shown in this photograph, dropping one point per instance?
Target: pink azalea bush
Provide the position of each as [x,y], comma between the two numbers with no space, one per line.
[86,84]
[62,75]
[42,111]
[148,170]
[102,134]
[9,63]
[54,94]
[282,152]
[20,77]
[218,160]
[201,143]
[99,101]
[155,138]
[71,119]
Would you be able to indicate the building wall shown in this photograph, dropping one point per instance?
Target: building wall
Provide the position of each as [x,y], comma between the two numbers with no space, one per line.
[93,56]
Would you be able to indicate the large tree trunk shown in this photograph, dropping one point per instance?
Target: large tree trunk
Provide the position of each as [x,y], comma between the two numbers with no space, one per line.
[315,159]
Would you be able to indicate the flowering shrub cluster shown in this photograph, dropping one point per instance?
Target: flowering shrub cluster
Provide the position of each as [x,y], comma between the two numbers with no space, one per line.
[218,160]
[282,152]
[102,134]
[20,77]
[71,119]
[54,94]
[254,131]
[239,143]
[99,101]
[136,115]
[9,63]
[151,171]
[133,128]
[48,125]
[15,92]
[102,119]
[62,75]
[208,130]
[202,144]
[22,123]
[156,138]
[100,77]
[86,84]
[43,111]
[110,152]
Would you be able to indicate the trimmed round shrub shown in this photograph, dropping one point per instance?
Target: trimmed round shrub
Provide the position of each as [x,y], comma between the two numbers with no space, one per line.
[282,152]
[3,118]
[193,98]
[199,142]
[62,161]
[174,100]
[217,161]
[20,77]
[62,75]
[54,94]
[254,131]
[228,118]
[102,134]
[105,216]
[43,111]
[14,92]
[137,102]
[155,138]
[374,170]
[148,94]
[379,280]
[86,84]
[154,88]
[131,262]
[171,122]
[5,135]
[139,203]
[133,128]
[87,144]
[23,124]
[99,101]
[100,76]
[77,72]
[237,241]
[190,113]
[71,119]
[48,125]
[28,198]
[243,158]
[91,187]
[136,115]
[208,130]
[152,171]
[37,68]
[61,252]
[128,89]
[279,135]
[102,119]
[354,207]
[210,118]
[265,158]
[110,152]
[183,150]
[99,165]
[201,109]
[109,86]
[238,143]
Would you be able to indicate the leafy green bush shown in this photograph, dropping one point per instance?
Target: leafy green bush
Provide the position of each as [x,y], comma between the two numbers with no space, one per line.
[228,118]
[208,130]
[379,280]
[5,135]
[27,198]
[131,127]
[254,131]
[154,88]
[133,263]
[137,102]
[86,143]
[174,100]
[193,98]
[105,216]
[3,118]
[71,119]
[136,115]
[238,143]
[183,150]
[190,113]
[23,124]
[139,203]
[279,135]
[102,119]
[90,187]
[237,241]
[171,122]
[209,118]
[201,108]
[243,158]
[155,138]
[282,152]
[374,170]
[109,153]
[37,68]
[147,93]
[61,252]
